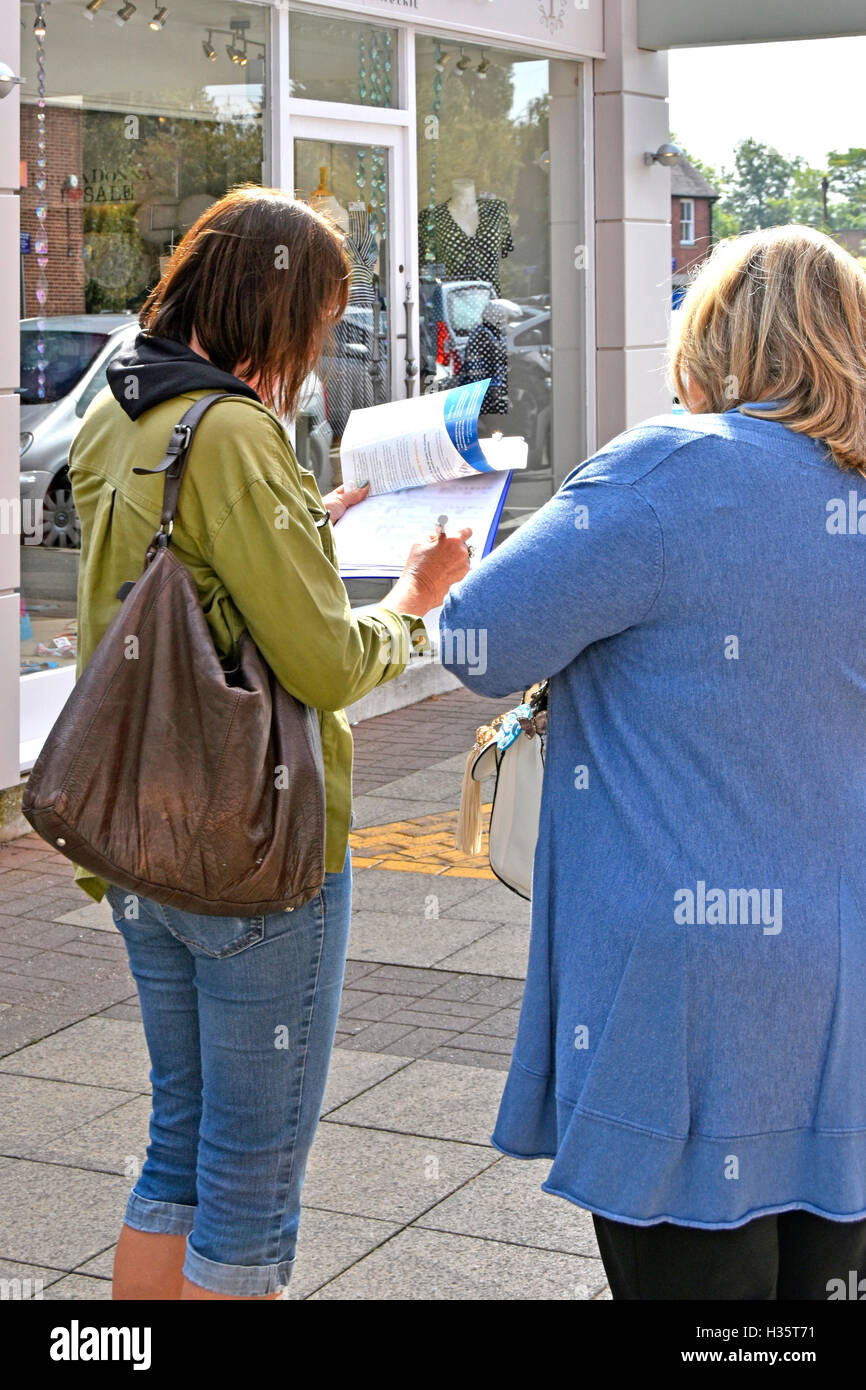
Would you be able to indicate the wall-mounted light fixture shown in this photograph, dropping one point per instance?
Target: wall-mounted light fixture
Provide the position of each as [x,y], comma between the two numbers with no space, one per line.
[8,80]
[666,155]
[159,18]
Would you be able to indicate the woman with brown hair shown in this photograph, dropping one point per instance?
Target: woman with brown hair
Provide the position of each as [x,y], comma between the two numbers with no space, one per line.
[691,1051]
[239,1014]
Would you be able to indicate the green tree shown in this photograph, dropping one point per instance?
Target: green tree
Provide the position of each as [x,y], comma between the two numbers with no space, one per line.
[759,189]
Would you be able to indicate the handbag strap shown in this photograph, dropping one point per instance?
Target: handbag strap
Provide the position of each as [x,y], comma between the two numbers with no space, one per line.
[174,463]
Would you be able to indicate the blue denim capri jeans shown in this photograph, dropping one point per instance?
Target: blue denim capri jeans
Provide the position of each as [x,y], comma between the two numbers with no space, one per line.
[239,1015]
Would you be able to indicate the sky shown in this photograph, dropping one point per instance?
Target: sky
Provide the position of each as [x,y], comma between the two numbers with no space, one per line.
[804,98]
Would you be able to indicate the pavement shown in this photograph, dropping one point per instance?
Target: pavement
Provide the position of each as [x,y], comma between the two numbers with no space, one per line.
[405,1198]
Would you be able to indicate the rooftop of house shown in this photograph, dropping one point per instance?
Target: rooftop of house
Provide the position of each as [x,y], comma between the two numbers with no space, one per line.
[689,182]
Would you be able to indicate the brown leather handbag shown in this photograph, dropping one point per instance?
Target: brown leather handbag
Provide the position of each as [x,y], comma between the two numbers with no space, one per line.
[171,776]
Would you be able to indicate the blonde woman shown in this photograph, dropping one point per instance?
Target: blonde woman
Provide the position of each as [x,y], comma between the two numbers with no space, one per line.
[692,1043]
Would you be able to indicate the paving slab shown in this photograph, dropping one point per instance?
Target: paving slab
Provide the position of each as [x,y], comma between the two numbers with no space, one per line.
[410,938]
[33,1111]
[79,1287]
[330,1242]
[100,1266]
[57,1216]
[506,1203]
[108,1051]
[495,903]
[502,951]
[115,1142]
[416,896]
[419,1265]
[374,809]
[434,784]
[394,1177]
[352,1073]
[430,1098]
[31,1279]
[95,916]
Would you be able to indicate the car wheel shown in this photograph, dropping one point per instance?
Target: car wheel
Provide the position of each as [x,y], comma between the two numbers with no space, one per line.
[60,520]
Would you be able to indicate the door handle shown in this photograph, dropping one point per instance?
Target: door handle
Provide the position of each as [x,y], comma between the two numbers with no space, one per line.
[411,364]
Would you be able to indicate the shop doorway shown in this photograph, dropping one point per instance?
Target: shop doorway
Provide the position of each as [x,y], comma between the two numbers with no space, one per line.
[357,182]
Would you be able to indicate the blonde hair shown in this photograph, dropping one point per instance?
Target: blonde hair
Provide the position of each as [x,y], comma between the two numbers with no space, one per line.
[780,315]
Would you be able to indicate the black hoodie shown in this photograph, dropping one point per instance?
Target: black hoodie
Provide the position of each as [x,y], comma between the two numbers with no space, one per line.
[155,369]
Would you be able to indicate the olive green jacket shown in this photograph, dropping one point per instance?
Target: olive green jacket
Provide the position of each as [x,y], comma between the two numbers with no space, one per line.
[253,531]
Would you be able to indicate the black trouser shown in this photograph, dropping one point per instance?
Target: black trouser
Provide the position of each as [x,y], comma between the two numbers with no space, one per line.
[794,1255]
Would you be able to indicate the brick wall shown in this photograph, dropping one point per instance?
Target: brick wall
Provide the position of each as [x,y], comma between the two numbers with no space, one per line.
[65,267]
[687,256]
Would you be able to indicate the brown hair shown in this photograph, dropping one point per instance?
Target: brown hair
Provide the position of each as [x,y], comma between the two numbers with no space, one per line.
[780,315]
[260,278]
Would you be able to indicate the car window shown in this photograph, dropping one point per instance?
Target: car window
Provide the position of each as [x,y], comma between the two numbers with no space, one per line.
[67,357]
[96,383]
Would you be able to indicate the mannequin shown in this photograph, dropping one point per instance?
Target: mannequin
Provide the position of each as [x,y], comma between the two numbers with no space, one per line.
[323,200]
[463,206]
[468,236]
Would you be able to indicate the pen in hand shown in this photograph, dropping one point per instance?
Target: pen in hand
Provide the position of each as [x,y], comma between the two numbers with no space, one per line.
[441,523]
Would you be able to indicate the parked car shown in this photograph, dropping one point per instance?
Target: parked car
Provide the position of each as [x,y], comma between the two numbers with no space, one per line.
[78,350]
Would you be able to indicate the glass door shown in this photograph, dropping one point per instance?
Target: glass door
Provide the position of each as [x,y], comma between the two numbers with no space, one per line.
[356,183]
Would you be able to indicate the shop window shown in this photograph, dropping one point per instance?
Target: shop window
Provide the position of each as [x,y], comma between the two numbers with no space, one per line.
[342,60]
[143,130]
[484,235]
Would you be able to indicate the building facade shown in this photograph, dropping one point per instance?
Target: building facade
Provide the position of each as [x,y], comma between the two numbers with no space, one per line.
[692,199]
[470,152]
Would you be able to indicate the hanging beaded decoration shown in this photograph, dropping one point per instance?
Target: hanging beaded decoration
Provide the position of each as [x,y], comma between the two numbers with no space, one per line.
[434,155]
[381,68]
[361,176]
[41,246]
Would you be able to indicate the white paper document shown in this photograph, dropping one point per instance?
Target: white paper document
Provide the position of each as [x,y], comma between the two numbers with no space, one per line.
[421,440]
[423,459]
[374,538]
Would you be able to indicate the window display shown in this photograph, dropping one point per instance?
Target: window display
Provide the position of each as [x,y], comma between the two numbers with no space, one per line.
[350,185]
[113,175]
[484,234]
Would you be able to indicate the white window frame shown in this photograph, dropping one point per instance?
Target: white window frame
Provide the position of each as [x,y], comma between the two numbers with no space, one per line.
[687,221]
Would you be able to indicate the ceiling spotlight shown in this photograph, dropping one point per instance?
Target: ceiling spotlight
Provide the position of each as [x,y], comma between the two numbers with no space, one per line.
[233,53]
[441,60]
[209,50]
[159,18]
[242,57]
[125,13]
[463,63]
[39,23]
[91,8]
[484,67]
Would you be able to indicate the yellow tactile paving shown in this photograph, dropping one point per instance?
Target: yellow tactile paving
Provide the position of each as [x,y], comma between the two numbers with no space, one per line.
[421,846]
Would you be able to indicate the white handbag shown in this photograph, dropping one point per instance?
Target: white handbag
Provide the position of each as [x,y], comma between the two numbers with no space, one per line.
[512,750]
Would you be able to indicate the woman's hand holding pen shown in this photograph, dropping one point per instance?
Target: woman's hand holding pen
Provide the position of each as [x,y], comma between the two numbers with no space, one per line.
[433,566]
